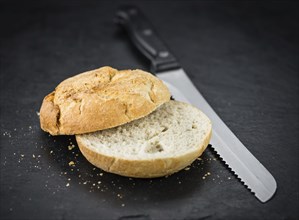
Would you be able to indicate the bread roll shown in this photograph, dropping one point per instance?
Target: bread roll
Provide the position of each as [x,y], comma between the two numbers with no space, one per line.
[101,99]
[164,142]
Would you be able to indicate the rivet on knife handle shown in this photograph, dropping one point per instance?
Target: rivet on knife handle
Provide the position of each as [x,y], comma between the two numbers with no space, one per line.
[145,39]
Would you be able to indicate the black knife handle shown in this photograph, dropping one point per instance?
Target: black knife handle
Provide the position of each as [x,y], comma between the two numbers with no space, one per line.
[145,39]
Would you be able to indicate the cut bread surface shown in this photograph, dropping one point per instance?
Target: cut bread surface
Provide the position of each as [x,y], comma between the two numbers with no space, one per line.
[163,142]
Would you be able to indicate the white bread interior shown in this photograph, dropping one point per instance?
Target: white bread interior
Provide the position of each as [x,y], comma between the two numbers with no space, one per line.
[159,144]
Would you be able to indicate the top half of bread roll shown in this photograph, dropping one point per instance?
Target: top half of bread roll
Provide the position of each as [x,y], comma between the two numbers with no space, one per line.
[101,99]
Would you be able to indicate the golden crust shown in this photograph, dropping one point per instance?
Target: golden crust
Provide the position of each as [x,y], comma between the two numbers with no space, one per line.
[142,168]
[49,118]
[101,99]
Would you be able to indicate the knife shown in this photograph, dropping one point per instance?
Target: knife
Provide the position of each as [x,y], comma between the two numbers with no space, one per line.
[164,64]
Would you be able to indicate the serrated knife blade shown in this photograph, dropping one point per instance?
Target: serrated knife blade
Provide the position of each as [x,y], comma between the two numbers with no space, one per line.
[251,172]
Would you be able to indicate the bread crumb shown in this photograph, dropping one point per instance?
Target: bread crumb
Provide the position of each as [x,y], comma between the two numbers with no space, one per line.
[99,182]
[22,155]
[33,155]
[119,196]
[208,173]
[67,185]
[101,174]
[203,177]
[6,133]
[123,205]
[199,158]
[71,146]
[37,113]
[187,168]
[71,163]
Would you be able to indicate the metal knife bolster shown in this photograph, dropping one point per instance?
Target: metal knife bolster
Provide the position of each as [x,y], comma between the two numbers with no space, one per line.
[165,65]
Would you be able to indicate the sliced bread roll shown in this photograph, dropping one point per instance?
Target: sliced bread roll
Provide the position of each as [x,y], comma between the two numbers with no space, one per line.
[164,142]
[101,99]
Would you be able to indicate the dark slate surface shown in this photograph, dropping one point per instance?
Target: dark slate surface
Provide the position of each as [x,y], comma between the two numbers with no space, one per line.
[242,56]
